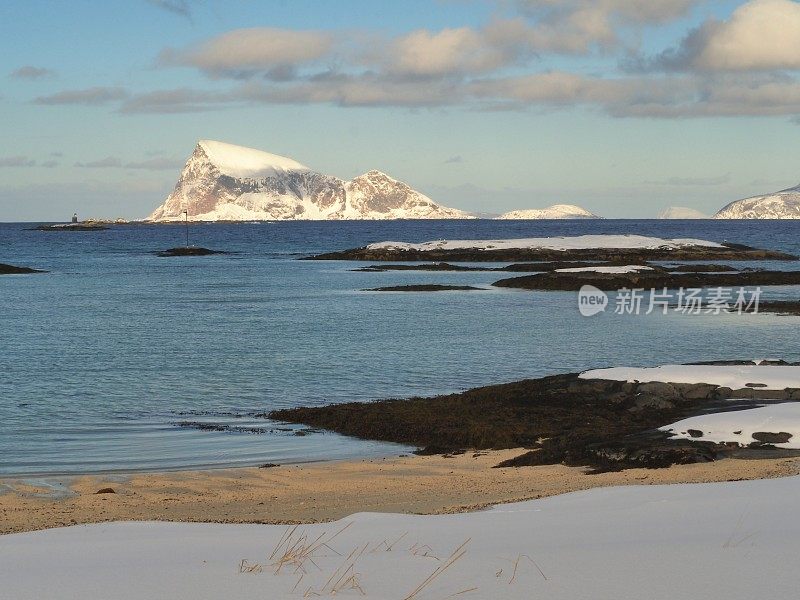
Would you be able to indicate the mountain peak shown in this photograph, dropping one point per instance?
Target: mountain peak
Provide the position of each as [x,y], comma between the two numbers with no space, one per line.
[247,163]
[225,182]
[375,174]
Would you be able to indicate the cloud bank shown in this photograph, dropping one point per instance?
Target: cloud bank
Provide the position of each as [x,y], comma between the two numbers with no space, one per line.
[745,65]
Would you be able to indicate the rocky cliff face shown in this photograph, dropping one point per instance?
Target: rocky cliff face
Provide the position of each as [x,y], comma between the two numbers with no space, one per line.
[223,182]
[780,205]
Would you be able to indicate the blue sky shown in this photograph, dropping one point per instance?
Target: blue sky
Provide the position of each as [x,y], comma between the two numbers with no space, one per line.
[621,106]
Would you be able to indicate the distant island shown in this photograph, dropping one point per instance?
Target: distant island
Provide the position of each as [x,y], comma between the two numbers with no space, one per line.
[224,182]
[681,212]
[779,205]
[556,211]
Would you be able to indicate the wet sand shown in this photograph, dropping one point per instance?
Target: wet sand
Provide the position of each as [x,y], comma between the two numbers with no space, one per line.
[325,491]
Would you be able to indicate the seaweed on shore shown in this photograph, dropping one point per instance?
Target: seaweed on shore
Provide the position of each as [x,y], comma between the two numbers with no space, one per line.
[607,425]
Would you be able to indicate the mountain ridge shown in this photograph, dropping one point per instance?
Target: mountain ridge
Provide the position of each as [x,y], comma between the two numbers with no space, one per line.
[784,204]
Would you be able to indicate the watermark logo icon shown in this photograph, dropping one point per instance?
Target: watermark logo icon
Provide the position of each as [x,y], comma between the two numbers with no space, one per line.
[591,300]
[687,301]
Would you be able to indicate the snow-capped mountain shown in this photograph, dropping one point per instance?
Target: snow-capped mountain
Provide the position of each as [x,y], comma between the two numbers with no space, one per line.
[681,212]
[557,211]
[780,205]
[224,182]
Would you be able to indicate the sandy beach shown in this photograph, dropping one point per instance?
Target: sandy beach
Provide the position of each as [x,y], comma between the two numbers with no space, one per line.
[324,491]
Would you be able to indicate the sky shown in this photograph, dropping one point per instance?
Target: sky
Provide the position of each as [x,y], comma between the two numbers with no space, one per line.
[624,107]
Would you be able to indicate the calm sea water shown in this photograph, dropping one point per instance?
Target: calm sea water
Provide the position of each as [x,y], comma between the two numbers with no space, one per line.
[100,358]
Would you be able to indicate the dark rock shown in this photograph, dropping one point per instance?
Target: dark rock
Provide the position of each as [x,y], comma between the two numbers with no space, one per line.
[766,437]
[189,251]
[12,270]
[696,391]
[695,433]
[657,388]
[652,402]
[420,267]
[648,280]
[558,419]
[424,288]
[617,255]
[268,466]
[105,491]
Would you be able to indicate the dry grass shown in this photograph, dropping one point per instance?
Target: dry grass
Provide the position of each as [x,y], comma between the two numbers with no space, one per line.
[516,567]
[455,556]
[296,549]
[296,552]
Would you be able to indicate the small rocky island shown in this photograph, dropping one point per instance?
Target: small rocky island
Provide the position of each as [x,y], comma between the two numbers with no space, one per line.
[77,226]
[189,251]
[647,277]
[12,270]
[425,287]
[628,249]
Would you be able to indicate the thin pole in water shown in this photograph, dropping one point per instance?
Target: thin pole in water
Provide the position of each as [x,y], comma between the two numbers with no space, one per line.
[186,222]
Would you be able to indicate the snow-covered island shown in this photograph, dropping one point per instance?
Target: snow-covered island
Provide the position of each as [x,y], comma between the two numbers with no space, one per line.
[225,182]
[619,248]
[779,205]
[681,212]
[556,211]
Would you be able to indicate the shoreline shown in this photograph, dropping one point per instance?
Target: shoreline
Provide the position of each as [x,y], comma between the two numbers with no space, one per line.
[325,491]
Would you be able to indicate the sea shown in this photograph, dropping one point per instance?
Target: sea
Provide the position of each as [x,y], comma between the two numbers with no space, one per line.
[118,360]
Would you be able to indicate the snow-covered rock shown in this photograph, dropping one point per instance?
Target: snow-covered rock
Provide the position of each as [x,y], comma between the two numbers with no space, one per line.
[557,211]
[736,377]
[611,270]
[224,182]
[780,205]
[578,242]
[681,212]
[744,426]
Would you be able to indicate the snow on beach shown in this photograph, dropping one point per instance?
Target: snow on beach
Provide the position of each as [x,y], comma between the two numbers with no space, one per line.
[772,377]
[740,425]
[580,242]
[733,540]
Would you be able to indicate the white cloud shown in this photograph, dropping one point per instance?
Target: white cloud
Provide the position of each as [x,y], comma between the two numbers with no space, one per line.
[246,52]
[104,163]
[16,161]
[160,163]
[448,51]
[638,11]
[760,35]
[91,96]
[31,72]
